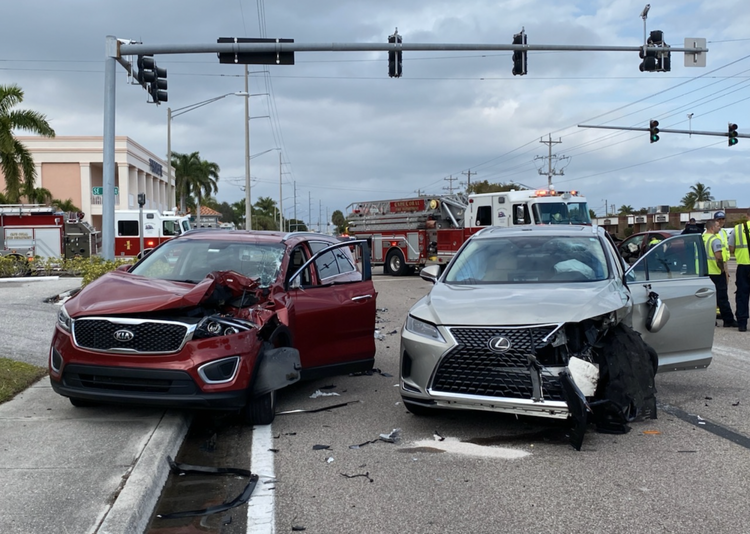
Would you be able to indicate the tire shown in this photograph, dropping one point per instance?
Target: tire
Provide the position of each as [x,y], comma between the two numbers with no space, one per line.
[261,410]
[418,409]
[395,263]
[82,403]
[281,337]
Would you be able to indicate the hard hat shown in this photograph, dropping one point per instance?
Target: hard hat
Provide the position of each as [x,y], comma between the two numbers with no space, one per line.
[719,215]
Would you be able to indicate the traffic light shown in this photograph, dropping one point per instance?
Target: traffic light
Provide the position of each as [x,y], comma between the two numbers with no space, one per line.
[732,134]
[656,60]
[653,128]
[394,56]
[519,56]
[152,78]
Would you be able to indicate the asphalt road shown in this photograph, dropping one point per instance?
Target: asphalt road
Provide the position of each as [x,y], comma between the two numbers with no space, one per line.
[672,474]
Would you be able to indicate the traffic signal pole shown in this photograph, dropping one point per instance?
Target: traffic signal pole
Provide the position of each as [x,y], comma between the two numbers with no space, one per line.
[115,49]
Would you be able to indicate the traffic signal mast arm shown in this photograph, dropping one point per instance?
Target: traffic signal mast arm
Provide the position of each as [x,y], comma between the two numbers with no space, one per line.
[664,130]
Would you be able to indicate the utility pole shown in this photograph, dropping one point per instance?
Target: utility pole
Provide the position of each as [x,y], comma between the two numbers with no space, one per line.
[551,169]
[309,209]
[450,181]
[281,199]
[468,178]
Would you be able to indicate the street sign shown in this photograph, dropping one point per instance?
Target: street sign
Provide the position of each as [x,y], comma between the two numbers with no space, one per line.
[695,59]
[99,191]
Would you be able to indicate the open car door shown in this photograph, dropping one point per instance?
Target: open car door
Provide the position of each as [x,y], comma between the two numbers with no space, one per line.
[334,310]
[676,271]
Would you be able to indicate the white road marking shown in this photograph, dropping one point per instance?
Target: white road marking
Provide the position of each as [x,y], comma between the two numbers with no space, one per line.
[260,509]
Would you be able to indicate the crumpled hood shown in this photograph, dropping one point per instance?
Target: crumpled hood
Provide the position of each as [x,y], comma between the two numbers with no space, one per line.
[519,304]
[118,293]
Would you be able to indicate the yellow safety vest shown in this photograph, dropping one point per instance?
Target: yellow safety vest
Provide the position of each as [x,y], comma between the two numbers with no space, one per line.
[713,267]
[741,252]
[724,238]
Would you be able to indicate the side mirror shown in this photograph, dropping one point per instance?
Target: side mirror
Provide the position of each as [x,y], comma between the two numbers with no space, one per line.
[430,273]
[658,314]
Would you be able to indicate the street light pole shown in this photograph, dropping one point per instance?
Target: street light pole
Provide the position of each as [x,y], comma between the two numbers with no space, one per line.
[171,114]
[248,195]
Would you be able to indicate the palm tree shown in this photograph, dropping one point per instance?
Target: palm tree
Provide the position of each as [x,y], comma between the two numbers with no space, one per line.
[185,168]
[697,193]
[39,195]
[626,210]
[65,205]
[266,206]
[204,183]
[16,162]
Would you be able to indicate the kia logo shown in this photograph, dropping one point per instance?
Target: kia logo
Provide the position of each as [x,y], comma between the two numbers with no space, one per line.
[499,344]
[124,335]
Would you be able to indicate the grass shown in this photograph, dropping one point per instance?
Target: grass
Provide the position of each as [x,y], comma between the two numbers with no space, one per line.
[17,376]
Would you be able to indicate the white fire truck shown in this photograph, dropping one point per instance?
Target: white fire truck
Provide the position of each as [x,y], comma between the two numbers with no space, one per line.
[157,227]
[29,230]
[411,233]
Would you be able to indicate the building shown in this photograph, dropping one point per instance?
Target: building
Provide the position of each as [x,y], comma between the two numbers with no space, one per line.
[71,167]
[209,218]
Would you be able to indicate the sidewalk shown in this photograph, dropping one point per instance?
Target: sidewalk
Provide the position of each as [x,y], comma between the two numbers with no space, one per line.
[82,470]
[65,469]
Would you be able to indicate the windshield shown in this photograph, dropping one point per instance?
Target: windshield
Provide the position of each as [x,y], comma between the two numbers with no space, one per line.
[562,213]
[190,260]
[529,259]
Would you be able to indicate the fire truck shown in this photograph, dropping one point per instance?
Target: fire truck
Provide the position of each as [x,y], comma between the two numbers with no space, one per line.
[410,233]
[31,230]
[157,227]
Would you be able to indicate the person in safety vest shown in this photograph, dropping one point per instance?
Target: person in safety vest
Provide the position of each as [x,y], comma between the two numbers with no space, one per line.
[717,271]
[738,242]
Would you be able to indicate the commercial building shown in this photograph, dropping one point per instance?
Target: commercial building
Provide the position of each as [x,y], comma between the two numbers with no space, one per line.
[71,167]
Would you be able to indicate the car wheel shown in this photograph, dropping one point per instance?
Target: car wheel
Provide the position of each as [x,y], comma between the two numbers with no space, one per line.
[261,410]
[81,403]
[395,263]
[418,409]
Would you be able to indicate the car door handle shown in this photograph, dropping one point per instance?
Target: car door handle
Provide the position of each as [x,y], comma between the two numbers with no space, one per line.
[362,297]
[705,292]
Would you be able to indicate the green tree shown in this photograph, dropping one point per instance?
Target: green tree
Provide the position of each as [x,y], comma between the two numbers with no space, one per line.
[16,162]
[698,193]
[185,169]
[485,187]
[39,195]
[204,182]
[339,221]
[626,209]
[65,205]
[266,206]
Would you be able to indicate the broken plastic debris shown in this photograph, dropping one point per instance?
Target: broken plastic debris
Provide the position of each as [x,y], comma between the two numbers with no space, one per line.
[314,410]
[736,403]
[298,528]
[324,394]
[371,372]
[393,437]
[329,459]
[321,447]
[651,432]
[378,335]
[437,436]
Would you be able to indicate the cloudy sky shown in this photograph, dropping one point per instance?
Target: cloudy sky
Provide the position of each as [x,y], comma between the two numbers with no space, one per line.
[347,132]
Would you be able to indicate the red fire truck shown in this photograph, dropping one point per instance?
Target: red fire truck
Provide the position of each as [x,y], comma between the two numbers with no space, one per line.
[29,230]
[157,227]
[411,233]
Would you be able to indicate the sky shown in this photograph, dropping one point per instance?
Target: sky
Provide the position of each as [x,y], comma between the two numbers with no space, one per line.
[347,133]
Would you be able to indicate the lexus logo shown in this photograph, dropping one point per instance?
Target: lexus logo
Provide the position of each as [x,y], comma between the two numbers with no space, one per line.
[499,344]
[124,335]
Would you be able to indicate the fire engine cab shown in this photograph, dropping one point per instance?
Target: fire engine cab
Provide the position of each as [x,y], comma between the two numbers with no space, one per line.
[410,233]
[157,227]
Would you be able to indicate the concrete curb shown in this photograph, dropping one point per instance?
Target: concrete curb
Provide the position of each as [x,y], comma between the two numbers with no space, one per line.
[132,509]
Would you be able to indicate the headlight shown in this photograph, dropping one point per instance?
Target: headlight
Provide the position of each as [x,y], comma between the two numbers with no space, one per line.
[63,319]
[421,328]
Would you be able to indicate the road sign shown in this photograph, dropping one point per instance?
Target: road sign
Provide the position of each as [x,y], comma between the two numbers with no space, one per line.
[99,191]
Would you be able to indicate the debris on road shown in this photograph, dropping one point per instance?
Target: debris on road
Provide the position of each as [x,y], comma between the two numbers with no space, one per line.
[186,469]
[324,394]
[363,475]
[314,410]
[321,447]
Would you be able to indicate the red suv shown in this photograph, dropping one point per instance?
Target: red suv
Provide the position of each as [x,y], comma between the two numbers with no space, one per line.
[218,319]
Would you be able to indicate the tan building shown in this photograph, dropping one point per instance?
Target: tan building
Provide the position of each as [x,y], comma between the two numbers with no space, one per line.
[71,167]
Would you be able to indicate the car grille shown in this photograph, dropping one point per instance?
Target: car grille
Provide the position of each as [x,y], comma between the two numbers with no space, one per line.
[147,336]
[472,368]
